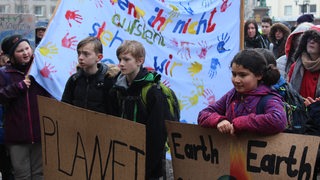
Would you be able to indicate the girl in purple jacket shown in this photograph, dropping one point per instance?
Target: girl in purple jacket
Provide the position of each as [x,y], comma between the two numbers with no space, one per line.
[236,111]
[18,94]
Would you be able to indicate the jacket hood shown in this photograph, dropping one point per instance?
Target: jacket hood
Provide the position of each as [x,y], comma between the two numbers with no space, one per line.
[298,30]
[314,31]
[261,90]
[102,68]
[272,35]
[143,77]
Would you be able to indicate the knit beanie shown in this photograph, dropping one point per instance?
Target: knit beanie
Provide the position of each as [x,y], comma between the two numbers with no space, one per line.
[9,44]
[305,18]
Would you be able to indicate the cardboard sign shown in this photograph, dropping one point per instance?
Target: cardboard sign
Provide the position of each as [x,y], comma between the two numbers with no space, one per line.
[204,153]
[82,144]
[23,24]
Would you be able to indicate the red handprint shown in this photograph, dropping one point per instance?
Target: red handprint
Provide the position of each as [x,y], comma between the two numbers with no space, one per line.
[174,42]
[69,42]
[99,3]
[210,97]
[224,5]
[46,70]
[113,1]
[72,15]
[204,49]
[73,68]
[166,83]
[185,50]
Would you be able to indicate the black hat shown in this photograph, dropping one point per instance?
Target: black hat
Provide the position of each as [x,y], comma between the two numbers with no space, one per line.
[305,18]
[41,27]
[9,44]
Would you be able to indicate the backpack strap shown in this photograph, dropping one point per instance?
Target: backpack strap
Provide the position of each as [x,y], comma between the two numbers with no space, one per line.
[145,90]
[171,99]
[262,103]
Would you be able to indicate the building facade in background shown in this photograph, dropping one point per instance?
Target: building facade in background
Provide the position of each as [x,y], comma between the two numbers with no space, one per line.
[283,10]
[42,9]
[290,10]
[278,10]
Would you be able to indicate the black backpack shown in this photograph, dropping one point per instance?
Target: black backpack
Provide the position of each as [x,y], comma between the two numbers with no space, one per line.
[168,93]
[294,107]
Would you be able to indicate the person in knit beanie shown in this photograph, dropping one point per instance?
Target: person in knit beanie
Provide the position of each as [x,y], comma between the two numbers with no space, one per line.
[303,18]
[18,94]
[304,73]
[9,44]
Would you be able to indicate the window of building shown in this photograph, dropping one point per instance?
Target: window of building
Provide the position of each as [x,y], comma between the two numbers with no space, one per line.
[3,9]
[303,8]
[313,8]
[39,10]
[288,10]
[21,9]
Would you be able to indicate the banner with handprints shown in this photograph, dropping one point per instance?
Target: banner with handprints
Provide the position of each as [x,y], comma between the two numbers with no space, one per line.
[190,43]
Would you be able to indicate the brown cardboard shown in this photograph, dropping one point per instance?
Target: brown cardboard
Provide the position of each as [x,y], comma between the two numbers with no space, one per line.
[82,144]
[204,153]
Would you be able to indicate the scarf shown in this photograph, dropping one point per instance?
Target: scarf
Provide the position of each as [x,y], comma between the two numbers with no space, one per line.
[297,75]
[309,64]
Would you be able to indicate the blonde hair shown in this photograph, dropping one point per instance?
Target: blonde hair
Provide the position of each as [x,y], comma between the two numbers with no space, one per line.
[133,47]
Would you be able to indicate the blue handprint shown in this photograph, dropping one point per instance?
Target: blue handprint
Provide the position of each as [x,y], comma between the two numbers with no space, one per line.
[213,67]
[188,9]
[224,40]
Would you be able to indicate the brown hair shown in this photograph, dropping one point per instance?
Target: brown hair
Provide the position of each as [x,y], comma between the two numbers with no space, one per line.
[133,47]
[95,41]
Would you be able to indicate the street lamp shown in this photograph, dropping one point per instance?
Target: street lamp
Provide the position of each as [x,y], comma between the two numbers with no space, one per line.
[304,5]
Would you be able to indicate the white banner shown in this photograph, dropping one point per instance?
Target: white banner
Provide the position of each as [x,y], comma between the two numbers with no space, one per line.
[191,43]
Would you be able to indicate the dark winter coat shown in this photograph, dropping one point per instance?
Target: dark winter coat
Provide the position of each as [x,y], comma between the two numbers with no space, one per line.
[313,124]
[240,110]
[89,92]
[256,42]
[129,106]
[22,125]
[312,127]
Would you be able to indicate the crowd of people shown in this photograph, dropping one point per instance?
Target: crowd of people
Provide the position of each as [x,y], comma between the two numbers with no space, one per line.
[296,55]
[279,54]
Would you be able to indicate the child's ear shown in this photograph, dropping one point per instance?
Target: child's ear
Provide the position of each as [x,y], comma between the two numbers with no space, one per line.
[259,77]
[140,61]
[100,56]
